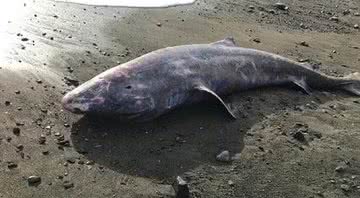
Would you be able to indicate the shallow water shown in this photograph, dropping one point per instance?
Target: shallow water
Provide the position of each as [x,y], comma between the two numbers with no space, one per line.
[132,3]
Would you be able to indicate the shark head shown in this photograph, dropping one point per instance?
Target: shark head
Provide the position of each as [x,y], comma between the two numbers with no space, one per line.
[111,92]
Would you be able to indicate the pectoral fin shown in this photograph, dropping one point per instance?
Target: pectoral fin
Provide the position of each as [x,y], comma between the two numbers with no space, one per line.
[302,84]
[205,89]
[229,41]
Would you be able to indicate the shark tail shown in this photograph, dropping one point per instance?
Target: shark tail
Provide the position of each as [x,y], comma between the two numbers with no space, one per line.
[352,83]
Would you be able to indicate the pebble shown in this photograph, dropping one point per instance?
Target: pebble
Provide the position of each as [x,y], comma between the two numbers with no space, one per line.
[256,40]
[299,136]
[42,139]
[16,131]
[281,6]
[345,187]
[24,39]
[356,14]
[340,169]
[7,103]
[356,26]
[334,18]
[224,156]
[231,183]
[12,165]
[34,179]
[159,24]
[90,162]
[304,43]
[183,188]
[20,147]
[68,184]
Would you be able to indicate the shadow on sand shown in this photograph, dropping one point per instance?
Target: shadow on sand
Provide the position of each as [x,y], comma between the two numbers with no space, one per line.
[180,140]
[162,148]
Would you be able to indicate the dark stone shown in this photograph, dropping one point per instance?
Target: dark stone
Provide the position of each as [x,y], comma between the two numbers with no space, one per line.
[32,180]
[16,131]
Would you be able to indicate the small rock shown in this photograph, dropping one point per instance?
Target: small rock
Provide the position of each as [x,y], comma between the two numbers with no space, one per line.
[334,18]
[39,81]
[42,139]
[224,156]
[304,43]
[7,103]
[356,26]
[302,60]
[34,179]
[346,12]
[159,24]
[16,131]
[356,14]
[12,165]
[70,69]
[302,25]
[281,6]
[299,136]
[256,40]
[231,183]
[345,187]
[340,169]
[24,39]
[68,184]
[20,147]
[90,162]
[70,81]
[71,160]
[183,189]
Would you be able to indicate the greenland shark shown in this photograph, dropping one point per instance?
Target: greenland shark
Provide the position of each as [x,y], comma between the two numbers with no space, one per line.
[157,82]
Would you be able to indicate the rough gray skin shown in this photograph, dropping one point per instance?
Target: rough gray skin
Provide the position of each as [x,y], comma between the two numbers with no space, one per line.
[157,82]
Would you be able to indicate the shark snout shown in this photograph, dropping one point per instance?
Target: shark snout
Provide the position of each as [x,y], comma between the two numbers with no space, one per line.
[70,103]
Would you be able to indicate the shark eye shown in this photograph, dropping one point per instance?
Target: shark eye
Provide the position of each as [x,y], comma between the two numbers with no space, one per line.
[128,87]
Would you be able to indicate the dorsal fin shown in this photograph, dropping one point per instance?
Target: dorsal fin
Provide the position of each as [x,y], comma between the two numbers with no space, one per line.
[228,41]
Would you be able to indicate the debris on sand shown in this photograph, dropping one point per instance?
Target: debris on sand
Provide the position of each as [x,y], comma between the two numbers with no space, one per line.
[32,180]
[71,81]
[345,187]
[304,43]
[340,168]
[299,136]
[12,165]
[16,131]
[334,18]
[183,189]
[68,184]
[281,6]
[224,156]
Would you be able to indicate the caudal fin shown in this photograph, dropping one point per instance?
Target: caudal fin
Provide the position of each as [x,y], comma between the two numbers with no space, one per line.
[353,85]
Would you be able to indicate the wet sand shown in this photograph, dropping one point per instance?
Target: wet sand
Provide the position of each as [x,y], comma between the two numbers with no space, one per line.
[53,46]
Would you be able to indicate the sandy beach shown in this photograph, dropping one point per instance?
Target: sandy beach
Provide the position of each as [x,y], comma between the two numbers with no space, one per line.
[284,144]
